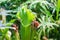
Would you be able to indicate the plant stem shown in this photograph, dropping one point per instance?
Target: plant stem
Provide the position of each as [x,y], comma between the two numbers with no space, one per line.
[39,35]
[32,33]
[17,37]
[57,14]
[25,33]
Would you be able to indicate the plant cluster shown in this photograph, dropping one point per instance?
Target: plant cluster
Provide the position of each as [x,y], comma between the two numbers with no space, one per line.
[30,20]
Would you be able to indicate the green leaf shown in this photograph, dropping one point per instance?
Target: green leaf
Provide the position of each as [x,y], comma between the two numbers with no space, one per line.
[26,16]
[3,0]
[58,9]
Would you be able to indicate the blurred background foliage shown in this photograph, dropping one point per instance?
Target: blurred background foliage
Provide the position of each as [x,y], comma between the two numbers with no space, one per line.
[47,8]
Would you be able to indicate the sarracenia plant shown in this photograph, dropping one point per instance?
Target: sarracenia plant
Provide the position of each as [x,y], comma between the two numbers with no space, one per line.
[57,9]
[26,17]
[5,34]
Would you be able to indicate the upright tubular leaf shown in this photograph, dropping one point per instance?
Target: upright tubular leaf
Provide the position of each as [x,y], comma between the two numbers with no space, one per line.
[58,9]
[26,17]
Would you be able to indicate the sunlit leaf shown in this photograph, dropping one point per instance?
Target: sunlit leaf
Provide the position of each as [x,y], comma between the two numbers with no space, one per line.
[26,16]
